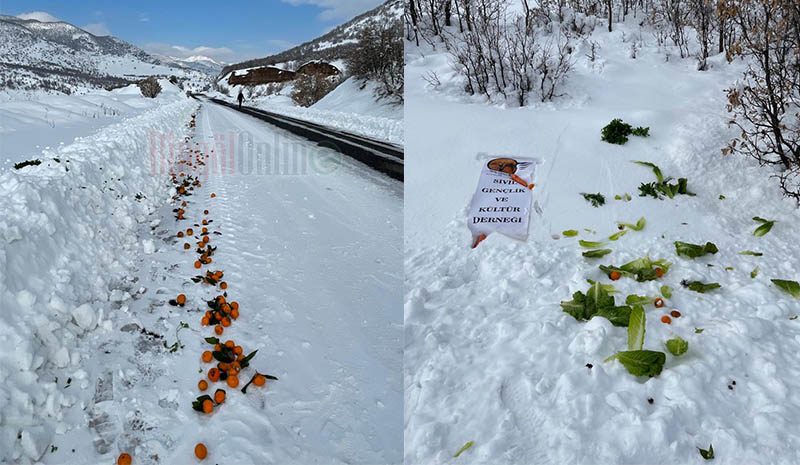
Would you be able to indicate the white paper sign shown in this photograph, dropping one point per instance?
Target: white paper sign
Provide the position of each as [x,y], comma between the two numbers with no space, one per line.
[502,201]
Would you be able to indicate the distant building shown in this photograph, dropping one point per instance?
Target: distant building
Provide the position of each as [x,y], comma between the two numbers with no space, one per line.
[270,74]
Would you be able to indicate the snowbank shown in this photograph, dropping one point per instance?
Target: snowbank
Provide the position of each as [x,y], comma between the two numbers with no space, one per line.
[33,122]
[66,242]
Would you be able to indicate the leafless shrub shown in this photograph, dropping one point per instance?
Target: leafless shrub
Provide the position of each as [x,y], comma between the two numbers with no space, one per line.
[309,88]
[150,87]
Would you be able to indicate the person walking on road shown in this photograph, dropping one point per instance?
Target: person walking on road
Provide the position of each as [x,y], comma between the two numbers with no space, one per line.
[240,98]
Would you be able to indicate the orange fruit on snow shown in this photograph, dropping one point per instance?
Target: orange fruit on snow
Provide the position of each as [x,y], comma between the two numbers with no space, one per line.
[238,350]
[207,356]
[202,385]
[235,314]
[205,321]
[205,212]
[213,195]
[197,264]
[226,322]
[190,231]
[219,396]
[675,314]
[181,299]
[218,330]
[180,233]
[659,302]
[230,344]
[223,285]
[232,381]
[213,374]
[615,275]
[124,459]
[666,319]
[200,451]
[186,245]
[259,380]
[208,406]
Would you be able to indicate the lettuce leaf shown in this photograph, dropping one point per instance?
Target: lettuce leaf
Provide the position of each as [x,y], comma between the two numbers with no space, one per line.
[700,287]
[790,287]
[636,328]
[636,227]
[642,362]
[686,249]
[677,346]
[766,226]
[598,253]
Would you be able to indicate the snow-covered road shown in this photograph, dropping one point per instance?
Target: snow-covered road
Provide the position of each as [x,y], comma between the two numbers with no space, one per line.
[311,252]
[317,260]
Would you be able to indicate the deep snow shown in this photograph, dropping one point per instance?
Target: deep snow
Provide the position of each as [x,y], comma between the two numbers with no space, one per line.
[489,355]
[91,258]
[34,123]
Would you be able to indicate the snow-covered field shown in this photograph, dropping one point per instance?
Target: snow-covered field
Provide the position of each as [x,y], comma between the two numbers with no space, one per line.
[349,107]
[100,363]
[33,123]
[490,356]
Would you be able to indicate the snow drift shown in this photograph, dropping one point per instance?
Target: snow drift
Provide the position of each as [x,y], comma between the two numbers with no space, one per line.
[67,239]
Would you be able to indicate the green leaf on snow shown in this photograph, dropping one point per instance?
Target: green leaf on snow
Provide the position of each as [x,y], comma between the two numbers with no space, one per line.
[634,299]
[636,227]
[707,454]
[677,346]
[656,169]
[790,287]
[595,199]
[617,235]
[618,316]
[700,287]
[686,249]
[750,252]
[570,233]
[666,291]
[636,328]
[765,227]
[642,362]
[698,330]
[598,253]
[463,448]
[606,287]
[591,244]
[754,273]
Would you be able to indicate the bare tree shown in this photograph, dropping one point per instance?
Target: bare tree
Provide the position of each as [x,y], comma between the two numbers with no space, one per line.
[766,104]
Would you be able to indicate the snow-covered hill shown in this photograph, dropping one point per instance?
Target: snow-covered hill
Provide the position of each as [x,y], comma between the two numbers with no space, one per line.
[331,47]
[204,64]
[60,57]
[490,355]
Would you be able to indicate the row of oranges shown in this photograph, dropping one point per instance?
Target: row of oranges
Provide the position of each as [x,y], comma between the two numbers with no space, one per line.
[221,313]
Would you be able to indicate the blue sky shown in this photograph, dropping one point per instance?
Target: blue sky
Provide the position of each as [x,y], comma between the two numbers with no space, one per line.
[224,30]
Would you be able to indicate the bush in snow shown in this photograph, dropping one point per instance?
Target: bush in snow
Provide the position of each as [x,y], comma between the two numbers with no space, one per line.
[505,59]
[766,102]
[378,57]
[150,87]
[309,88]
